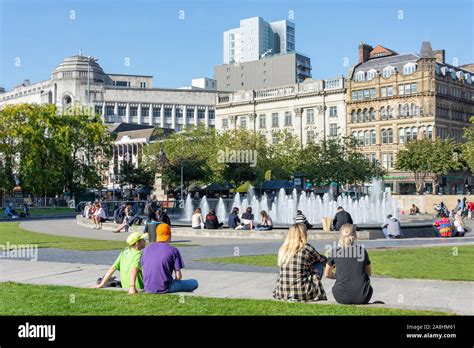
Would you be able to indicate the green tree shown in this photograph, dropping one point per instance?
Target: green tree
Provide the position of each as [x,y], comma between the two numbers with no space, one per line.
[468,146]
[426,157]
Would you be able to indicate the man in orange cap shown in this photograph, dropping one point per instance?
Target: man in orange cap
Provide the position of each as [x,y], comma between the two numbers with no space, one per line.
[159,261]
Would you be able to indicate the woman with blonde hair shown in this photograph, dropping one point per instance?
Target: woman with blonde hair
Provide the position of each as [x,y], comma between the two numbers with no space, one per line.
[458,225]
[298,278]
[353,268]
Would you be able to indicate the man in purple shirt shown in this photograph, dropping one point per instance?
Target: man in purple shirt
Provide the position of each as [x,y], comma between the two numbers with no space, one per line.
[159,260]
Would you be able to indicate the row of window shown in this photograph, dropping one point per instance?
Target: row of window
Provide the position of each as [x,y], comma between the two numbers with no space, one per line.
[387,91]
[275,118]
[454,92]
[385,112]
[388,71]
[368,137]
[156,111]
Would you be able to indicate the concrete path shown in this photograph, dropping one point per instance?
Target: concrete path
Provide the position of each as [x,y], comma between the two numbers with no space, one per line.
[456,297]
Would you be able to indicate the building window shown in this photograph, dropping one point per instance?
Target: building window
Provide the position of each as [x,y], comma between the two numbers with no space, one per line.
[390,135]
[371,74]
[372,114]
[401,135]
[189,112]
[361,138]
[288,119]
[430,132]
[109,110]
[372,93]
[145,111]
[407,134]
[142,84]
[156,112]
[133,111]
[354,116]
[409,68]
[367,137]
[201,113]
[122,110]
[333,129]
[310,116]
[366,115]
[372,137]
[360,76]
[179,112]
[225,123]
[275,120]
[388,71]
[211,114]
[333,111]
[414,133]
[310,136]
[383,113]
[387,160]
[274,138]
[262,121]
[361,115]
[384,136]
[243,122]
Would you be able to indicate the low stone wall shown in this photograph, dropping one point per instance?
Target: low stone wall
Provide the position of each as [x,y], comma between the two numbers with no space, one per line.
[186,231]
[426,202]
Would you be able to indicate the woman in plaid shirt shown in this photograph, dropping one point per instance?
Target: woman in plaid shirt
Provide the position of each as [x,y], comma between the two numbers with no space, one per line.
[299,279]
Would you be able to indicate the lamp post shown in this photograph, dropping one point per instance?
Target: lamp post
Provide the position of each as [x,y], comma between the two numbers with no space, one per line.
[112,177]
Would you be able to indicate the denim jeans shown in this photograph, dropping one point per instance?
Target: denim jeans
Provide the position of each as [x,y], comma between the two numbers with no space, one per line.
[187,285]
[320,268]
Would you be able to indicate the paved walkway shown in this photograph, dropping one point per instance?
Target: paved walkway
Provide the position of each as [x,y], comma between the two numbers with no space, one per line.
[454,297]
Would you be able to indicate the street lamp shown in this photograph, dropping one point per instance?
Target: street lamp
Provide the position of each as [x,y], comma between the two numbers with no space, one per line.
[112,177]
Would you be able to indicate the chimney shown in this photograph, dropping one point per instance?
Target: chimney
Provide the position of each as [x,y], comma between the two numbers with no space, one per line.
[364,52]
[440,55]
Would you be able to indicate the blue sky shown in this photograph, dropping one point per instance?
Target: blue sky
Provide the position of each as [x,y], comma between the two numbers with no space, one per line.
[173,50]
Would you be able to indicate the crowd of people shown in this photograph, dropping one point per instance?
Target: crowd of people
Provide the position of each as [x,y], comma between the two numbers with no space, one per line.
[10,212]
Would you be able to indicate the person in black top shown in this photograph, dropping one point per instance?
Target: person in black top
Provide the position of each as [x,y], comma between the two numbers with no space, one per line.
[342,217]
[164,217]
[353,269]
[234,219]
[212,223]
[247,219]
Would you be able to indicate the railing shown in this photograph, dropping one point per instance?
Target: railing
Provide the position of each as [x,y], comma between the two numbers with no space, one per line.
[36,202]
[334,83]
[275,92]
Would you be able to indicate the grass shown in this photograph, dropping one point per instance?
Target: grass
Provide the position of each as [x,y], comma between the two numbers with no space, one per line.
[34,300]
[44,211]
[422,263]
[12,233]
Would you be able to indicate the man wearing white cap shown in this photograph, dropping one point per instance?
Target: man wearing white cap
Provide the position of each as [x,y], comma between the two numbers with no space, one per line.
[129,265]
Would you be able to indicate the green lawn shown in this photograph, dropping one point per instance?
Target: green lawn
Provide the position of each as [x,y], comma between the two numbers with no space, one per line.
[21,299]
[422,263]
[44,211]
[12,233]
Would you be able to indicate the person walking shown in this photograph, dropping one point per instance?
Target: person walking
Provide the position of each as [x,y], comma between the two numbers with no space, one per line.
[342,217]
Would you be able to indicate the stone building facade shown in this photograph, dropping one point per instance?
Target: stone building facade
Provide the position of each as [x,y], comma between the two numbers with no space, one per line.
[312,110]
[395,98]
[79,80]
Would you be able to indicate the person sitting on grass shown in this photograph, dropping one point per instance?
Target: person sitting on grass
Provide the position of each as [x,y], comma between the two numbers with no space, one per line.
[212,223]
[301,219]
[233,221]
[414,210]
[266,224]
[159,261]
[99,217]
[299,277]
[9,212]
[443,226]
[129,265]
[353,269]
